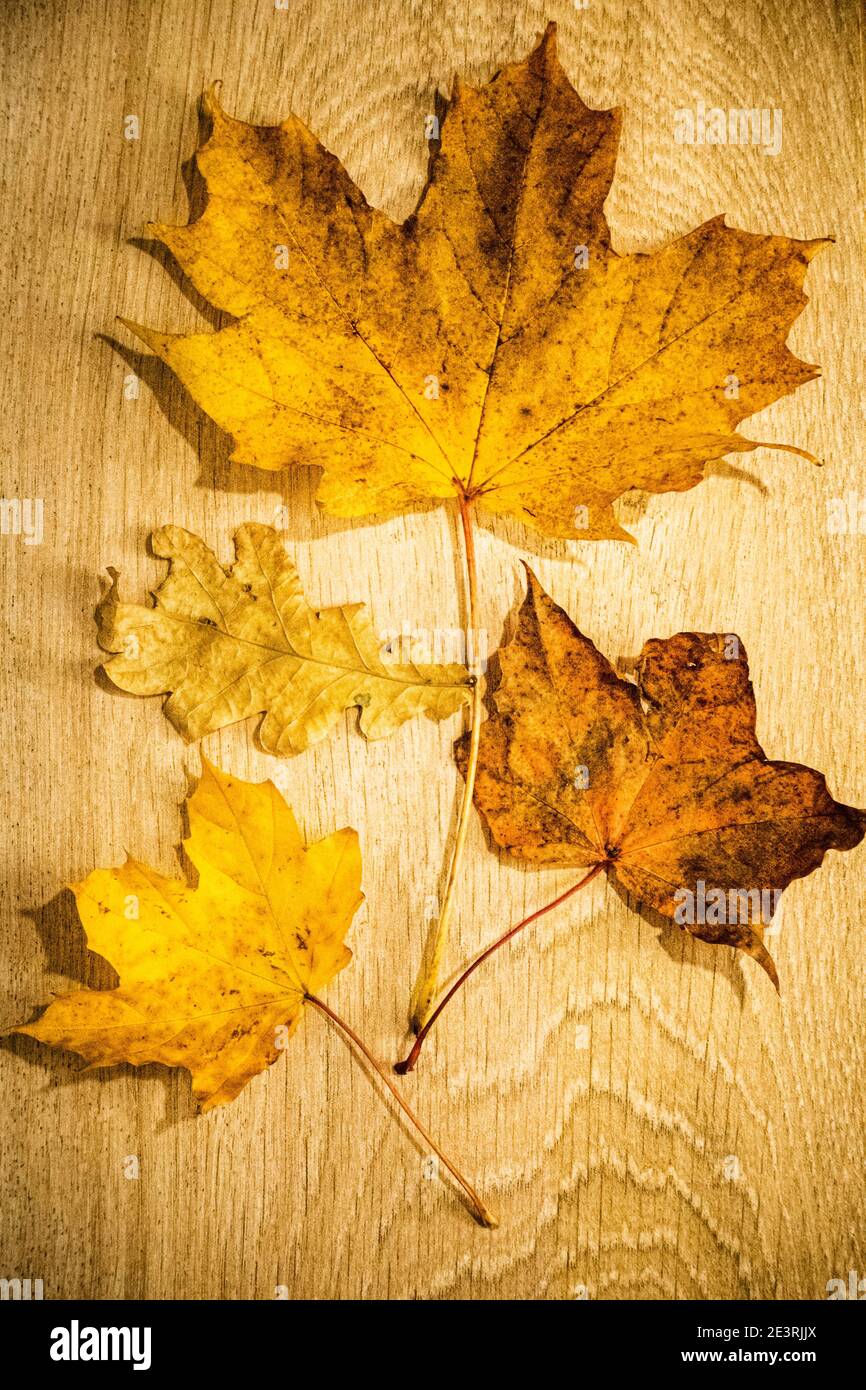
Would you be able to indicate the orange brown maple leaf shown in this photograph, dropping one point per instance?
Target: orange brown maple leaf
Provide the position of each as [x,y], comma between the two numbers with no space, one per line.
[493,347]
[662,782]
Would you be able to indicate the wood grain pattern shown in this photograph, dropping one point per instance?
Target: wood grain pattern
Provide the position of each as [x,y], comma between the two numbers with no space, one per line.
[649,1119]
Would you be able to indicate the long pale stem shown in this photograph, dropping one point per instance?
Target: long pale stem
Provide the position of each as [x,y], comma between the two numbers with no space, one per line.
[409,1063]
[428,980]
[485,1217]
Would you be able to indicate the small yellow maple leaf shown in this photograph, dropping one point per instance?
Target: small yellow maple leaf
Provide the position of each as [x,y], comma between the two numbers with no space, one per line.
[493,347]
[244,641]
[212,978]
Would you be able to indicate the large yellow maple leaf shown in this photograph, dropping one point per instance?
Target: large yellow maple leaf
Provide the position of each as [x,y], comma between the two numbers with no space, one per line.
[212,978]
[493,347]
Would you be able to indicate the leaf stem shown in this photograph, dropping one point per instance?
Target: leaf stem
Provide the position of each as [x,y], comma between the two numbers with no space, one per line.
[409,1063]
[484,1216]
[427,985]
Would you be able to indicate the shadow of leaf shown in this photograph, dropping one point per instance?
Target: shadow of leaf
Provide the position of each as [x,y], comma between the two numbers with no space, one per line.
[67,954]
[677,943]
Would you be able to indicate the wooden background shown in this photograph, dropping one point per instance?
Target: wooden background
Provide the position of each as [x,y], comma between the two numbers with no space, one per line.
[649,1119]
